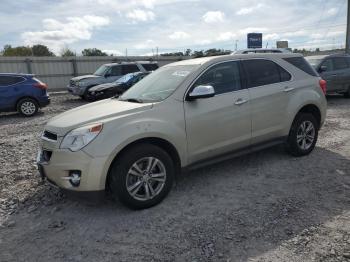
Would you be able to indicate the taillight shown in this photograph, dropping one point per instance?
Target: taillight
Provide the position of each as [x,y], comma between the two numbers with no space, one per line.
[323,85]
[41,85]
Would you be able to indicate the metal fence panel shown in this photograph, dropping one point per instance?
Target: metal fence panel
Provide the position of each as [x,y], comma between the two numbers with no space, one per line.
[57,71]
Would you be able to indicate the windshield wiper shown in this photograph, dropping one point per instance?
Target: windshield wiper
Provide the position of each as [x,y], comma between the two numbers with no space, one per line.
[132,100]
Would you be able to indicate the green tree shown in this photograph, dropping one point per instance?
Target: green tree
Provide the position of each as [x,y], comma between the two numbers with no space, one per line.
[188,52]
[67,52]
[198,54]
[41,50]
[16,51]
[93,52]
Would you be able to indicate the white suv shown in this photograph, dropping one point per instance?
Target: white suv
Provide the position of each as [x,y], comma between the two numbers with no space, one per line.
[185,114]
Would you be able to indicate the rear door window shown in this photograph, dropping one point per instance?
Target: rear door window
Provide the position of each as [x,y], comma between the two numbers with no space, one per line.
[339,63]
[132,68]
[10,80]
[261,72]
[224,77]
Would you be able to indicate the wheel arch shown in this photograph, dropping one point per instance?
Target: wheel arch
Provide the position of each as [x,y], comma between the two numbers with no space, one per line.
[160,142]
[24,97]
[311,109]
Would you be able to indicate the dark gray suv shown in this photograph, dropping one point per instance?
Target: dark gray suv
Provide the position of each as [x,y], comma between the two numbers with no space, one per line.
[335,69]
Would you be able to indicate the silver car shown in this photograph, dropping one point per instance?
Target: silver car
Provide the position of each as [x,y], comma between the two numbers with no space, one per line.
[184,115]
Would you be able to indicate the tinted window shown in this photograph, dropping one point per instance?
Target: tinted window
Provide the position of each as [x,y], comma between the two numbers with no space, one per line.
[285,76]
[129,69]
[328,64]
[261,72]
[339,63]
[301,63]
[223,77]
[10,80]
[115,71]
[150,67]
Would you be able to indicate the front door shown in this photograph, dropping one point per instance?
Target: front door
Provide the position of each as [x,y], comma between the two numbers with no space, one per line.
[222,123]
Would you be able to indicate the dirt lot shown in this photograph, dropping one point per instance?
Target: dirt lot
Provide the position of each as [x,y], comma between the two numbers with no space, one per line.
[267,206]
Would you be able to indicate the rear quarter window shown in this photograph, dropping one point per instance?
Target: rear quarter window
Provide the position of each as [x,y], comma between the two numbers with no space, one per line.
[302,64]
[150,67]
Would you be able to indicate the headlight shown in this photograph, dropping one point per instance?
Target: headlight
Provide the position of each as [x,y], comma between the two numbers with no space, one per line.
[80,137]
[81,83]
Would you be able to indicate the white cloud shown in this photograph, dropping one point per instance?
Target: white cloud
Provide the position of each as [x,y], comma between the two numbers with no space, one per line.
[247,30]
[112,52]
[248,10]
[226,36]
[179,35]
[139,15]
[272,36]
[296,33]
[213,17]
[56,34]
[147,44]
[332,11]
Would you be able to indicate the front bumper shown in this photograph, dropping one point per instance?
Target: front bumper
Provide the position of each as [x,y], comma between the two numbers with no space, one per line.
[76,90]
[58,166]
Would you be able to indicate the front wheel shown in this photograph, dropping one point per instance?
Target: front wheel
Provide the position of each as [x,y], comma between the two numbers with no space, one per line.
[27,107]
[142,176]
[302,135]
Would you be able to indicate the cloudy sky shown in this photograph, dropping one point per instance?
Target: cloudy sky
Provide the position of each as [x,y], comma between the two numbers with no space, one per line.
[170,25]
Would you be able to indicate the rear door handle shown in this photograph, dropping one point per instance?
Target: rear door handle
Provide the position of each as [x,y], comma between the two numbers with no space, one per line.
[240,101]
[288,89]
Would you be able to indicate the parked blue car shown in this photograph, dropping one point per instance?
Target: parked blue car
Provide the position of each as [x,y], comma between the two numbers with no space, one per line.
[23,93]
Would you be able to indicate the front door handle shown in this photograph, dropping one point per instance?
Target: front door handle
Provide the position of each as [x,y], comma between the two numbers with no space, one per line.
[240,101]
[288,89]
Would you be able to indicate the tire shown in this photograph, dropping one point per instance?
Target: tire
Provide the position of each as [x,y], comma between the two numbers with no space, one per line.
[141,187]
[87,97]
[300,142]
[27,107]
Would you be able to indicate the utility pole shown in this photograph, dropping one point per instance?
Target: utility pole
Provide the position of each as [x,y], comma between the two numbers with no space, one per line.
[347,44]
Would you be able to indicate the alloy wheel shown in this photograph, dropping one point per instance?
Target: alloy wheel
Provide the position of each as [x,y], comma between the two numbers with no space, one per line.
[146,178]
[306,135]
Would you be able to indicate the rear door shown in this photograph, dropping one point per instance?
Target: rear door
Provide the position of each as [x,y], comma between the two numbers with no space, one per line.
[268,85]
[221,123]
[10,91]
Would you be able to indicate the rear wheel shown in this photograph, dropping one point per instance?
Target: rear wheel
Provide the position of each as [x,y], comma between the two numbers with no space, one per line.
[27,107]
[142,176]
[302,135]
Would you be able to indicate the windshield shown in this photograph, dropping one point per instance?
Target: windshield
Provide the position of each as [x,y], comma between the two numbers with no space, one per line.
[314,61]
[101,70]
[125,78]
[160,84]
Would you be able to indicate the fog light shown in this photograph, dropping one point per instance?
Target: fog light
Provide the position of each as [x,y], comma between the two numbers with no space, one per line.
[74,177]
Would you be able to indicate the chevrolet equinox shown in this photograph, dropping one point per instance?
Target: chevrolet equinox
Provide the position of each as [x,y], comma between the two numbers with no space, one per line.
[184,115]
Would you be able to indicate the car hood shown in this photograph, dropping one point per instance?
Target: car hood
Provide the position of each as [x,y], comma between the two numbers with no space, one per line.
[92,113]
[103,86]
[78,78]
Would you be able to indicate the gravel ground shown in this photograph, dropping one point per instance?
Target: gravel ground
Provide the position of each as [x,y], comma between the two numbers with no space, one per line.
[266,206]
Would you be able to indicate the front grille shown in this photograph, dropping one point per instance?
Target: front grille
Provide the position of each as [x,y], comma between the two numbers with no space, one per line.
[49,136]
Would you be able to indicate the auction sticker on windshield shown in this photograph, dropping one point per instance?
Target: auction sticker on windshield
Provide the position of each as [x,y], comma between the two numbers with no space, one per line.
[181,73]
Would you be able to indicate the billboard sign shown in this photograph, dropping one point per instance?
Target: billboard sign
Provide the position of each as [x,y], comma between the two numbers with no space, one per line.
[282,44]
[254,40]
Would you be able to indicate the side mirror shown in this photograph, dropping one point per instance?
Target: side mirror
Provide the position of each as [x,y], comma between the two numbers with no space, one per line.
[201,92]
[107,75]
[322,68]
